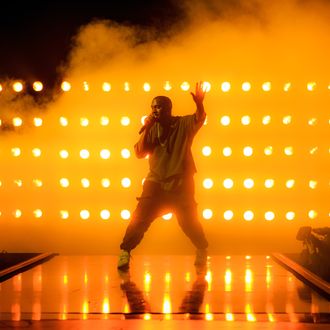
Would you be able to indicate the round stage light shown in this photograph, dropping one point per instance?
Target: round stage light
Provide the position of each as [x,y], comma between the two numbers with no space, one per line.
[228,214]
[64,154]
[105,182]
[84,214]
[105,154]
[106,87]
[125,214]
[207,183]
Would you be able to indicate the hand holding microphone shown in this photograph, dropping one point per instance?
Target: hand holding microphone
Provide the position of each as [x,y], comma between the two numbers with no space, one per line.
[149,121]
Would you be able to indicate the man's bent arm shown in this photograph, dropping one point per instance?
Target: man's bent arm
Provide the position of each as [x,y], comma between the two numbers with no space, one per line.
[141,148]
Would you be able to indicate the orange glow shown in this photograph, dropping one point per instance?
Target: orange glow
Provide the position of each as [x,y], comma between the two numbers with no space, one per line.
[248,183]
[167,216]
[37,182]
[228,215]
[167,306]
[225,86]
[207,214]
[18,182]
[185,86]
[246,120]
[63,121]
[146,87]
[85,86]
[84,154]
[85,183]
[64,182]
[37,121]
[229,317]
[106,87]
[66,86]
[269,183]
[84,122]
[266,86]
[105,183]
[228,280]
[105,214]
[36,152]
[84,214]
[37,213]
[248,215]
[125,153]
[269,216]
[206,151]
[167,86]
[208,183]
[248,151]
[311,86]
[64,154]
[38,86]
[268,150]
[104,121]
[266,119]
[246,86]
[105,154]
[127,86]
[125,214]
[17,121]
[227,151]
[206,86]
[17,213]
[287,87]
[16,151]
[225,120]
[125,121]
[312,214]
[126,182]
[105,305]
[18,86]
[287,120]
[228,183]
[248,280]
[64,214]
[147,282]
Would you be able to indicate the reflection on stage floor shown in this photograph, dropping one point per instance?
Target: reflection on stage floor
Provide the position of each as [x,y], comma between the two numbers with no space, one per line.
[231,288]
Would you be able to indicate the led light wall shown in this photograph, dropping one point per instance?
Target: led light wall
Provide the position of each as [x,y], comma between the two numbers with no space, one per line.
[69,176]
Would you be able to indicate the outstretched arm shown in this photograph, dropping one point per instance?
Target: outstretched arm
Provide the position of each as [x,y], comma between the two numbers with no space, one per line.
[198,98]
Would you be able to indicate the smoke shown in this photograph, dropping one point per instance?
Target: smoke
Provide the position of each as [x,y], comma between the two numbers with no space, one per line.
[213,40]
[246,39]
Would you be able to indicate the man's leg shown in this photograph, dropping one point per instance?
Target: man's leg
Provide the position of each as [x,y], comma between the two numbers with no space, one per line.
[188,220]
[144,214]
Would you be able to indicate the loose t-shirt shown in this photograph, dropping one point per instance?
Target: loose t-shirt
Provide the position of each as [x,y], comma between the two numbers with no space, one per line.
[171,160]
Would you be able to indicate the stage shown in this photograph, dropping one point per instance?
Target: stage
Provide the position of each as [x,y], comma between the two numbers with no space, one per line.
[87,292]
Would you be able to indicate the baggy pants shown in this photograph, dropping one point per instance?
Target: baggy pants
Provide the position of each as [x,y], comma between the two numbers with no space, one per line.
[152,203]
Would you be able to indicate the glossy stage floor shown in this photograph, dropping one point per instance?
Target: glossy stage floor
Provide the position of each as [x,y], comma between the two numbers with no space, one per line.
[233,292]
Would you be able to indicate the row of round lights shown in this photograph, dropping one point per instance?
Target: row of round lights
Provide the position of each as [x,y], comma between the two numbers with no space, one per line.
[207,183]
[125,153]
[226,86]
[225,120]
[207,214]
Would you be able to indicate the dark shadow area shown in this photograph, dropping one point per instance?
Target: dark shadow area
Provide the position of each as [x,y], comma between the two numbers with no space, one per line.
[12,264]
[137,303]
[315,254]
[194,298]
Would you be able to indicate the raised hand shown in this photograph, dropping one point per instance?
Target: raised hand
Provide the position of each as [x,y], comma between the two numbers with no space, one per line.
[199,94]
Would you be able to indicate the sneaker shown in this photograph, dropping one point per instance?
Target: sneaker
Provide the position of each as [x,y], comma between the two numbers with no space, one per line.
[201,257]
[123,260]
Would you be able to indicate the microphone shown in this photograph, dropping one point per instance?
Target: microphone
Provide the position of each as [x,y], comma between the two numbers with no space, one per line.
[152,119]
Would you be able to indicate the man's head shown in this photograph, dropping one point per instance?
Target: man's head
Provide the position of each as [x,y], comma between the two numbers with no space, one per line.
[162,107]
